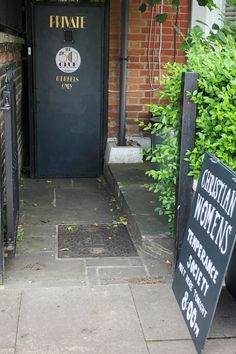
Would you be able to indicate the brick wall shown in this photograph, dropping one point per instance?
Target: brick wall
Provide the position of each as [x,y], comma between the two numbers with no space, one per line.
[11,54]
[144,56]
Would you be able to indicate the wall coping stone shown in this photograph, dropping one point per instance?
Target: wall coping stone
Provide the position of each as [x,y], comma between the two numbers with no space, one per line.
[9,38]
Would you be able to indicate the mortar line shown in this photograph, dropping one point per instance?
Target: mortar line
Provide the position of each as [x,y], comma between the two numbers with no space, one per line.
[132,295]
[18,321]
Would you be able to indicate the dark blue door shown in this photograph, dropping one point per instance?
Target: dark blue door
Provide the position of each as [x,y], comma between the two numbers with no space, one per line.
[68,57]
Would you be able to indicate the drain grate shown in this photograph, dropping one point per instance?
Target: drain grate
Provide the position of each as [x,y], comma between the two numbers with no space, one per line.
[101,240]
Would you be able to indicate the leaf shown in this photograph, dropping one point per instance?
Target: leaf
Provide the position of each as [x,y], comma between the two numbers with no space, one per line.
[175,3]
[153,2]
[215,27]
[161,18]
[71,228]
[143,7]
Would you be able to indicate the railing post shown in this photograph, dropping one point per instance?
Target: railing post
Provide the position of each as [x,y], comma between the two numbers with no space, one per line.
[11,158]
[1,237]
[187,140]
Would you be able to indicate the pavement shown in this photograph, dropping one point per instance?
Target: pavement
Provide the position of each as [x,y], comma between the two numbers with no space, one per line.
[98,305]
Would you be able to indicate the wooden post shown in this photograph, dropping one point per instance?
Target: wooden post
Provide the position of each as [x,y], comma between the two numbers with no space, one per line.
[187,140]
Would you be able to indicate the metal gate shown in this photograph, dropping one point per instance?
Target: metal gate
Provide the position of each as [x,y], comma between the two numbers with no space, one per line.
[69,56]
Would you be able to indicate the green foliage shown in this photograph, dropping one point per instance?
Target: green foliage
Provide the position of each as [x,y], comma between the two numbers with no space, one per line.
[216,102]
[20,233]
[215,62]
[173,4]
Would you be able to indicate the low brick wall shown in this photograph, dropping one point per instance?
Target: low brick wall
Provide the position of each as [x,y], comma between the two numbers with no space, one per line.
[11,54]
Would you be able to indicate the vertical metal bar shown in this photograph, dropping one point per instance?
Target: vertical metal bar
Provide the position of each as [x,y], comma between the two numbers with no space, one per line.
[1,236]
[11,157]
[187,140]
[9,173]
[123,70]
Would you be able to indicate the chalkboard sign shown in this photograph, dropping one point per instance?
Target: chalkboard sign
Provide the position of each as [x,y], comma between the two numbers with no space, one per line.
[207,247]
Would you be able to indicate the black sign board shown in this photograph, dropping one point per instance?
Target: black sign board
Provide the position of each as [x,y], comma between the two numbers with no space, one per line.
[207,247]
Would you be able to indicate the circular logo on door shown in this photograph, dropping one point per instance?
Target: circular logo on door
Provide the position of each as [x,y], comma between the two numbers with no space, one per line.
[68,60]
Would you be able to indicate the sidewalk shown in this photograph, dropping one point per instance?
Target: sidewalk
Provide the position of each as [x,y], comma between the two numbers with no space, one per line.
[96,305]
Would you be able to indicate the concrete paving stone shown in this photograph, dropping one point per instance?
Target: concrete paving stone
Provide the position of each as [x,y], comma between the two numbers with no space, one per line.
[226,315]
[122,275]
[130,174]
[9,313]
[94,320]
[77,199]
[93,277]
[44,268]
[136,261]
[159,314]
[46,183]
[162,247]
[7,351]
[157,268]
[220,346]
[217,346]
[172,347]
[42,230]
[92,184]
[53,216]
[152,225]
[35,245]
[37,197]
[112,261]
[140,202]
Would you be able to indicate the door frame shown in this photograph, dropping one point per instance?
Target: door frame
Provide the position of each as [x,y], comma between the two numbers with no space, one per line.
[30,28]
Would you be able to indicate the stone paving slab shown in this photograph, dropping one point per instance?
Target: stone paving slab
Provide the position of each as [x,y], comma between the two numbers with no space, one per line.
[159,313]
[113,262]
[149,224]
[43,229]
[99,320]
[145,225]
[7,351]
[172,347]
[127,175]
[224,323]
[35,245]
[54,216]
[37,198]
[218,346]
[48,183]
[116,275]
[44,269]
[9,313]
[77,199]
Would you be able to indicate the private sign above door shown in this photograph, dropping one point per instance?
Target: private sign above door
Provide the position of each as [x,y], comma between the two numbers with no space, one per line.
[71,22]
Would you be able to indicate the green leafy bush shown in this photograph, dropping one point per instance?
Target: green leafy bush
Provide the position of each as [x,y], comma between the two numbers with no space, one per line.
[215,61]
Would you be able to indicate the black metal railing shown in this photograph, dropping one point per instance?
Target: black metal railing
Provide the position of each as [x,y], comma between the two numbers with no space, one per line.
[11,163]
[1,233]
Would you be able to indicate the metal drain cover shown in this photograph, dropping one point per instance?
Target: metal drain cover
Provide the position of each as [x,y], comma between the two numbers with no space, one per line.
[101,240]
